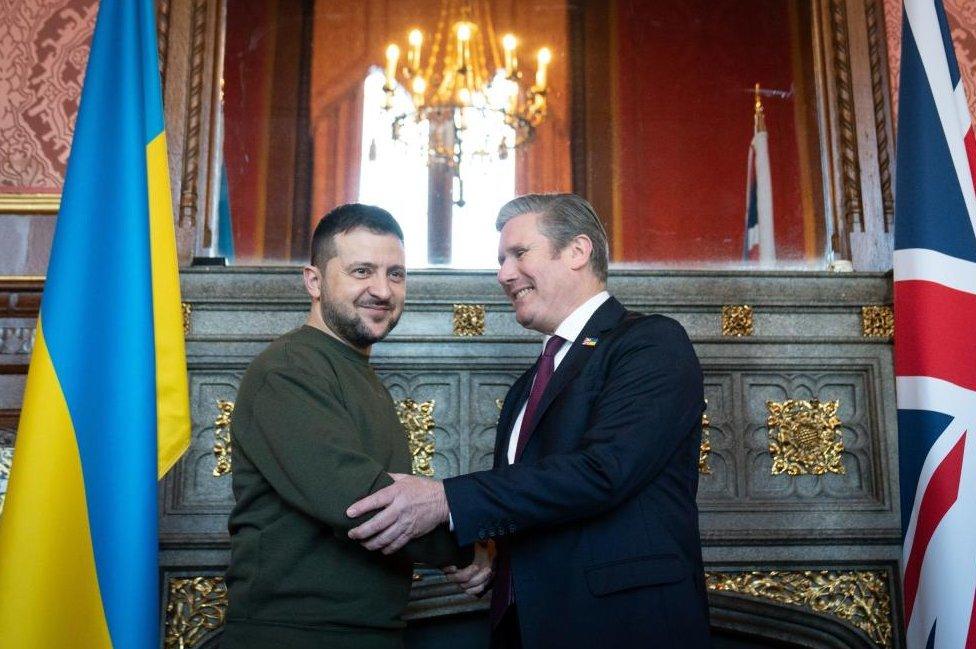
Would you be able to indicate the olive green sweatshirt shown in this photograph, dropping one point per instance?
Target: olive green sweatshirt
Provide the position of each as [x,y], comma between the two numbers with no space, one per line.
[313,431]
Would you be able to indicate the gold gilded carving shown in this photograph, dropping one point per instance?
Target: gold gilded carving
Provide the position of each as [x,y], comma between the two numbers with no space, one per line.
[187,314]
[418,420]
[737,320]
[6,459]
[804,438]
[877,321]
[469,319]
[859,597]
[222,445]
[705,449]
[194,607]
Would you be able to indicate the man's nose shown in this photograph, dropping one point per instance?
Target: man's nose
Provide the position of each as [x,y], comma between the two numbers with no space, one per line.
[381,287]
[506,272]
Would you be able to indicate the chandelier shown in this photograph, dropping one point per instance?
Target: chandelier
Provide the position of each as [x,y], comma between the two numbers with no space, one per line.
[469,96]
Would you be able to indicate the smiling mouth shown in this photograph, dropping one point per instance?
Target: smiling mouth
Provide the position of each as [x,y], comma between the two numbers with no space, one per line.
[375,307]
[522,292]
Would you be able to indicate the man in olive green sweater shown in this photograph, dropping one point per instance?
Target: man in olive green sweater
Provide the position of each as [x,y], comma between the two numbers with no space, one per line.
[313,431]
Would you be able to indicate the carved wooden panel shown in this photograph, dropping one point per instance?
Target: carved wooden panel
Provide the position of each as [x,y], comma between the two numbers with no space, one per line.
[465,414]
[487,388]
[851,389]
[720,484]
[444,389]
[194,488]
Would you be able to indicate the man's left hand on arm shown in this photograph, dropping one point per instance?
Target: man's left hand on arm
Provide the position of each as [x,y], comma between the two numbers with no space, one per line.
[410,507]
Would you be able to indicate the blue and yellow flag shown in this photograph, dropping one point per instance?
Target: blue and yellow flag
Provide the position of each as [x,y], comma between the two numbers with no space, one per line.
[106,406]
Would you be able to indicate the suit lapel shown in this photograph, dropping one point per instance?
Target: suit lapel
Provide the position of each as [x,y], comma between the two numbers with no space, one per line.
[603,319]
[510,410]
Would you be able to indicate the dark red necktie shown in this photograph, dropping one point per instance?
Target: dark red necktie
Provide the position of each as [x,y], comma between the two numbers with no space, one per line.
[547,365]
[502,595]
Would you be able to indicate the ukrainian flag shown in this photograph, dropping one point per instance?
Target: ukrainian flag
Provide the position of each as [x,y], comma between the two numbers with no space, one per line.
[106,404]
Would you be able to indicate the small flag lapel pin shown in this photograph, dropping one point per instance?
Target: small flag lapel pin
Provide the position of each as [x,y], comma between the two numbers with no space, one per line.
[589,342]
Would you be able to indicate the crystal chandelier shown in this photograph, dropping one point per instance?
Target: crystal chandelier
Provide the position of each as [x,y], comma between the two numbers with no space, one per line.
[469,96]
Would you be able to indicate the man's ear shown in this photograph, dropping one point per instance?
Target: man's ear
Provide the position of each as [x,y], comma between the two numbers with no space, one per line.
[580,249]
[312,277]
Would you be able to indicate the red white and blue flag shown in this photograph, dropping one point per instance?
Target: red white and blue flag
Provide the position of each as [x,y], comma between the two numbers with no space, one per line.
[759,241]
[935,325]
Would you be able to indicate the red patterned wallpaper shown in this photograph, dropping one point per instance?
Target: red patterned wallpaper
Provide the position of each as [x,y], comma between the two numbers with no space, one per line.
[43,52]
[962,22]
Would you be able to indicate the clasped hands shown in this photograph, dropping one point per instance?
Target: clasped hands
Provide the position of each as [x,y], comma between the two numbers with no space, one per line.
[409,508]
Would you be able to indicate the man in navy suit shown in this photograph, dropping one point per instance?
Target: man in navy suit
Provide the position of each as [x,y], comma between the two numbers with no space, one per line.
[591,501]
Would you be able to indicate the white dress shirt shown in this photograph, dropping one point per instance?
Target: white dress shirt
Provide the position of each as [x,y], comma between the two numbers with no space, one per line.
[569,330]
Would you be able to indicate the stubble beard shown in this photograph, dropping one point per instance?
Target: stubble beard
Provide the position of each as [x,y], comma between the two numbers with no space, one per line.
[350,326]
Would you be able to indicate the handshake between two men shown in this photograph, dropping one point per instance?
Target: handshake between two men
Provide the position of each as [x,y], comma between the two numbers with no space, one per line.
[586,528]
[408,509]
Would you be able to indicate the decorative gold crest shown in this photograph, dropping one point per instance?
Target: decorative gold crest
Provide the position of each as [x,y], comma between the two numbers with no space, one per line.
[877,321]
[418,420]
[705,449]
[194,607]
[858,597]
[187,313]
[469,319]
[222,445]
[737,320]
[804,438]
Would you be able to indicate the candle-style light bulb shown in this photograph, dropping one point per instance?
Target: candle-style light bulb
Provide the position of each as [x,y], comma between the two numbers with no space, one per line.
[416,40]
[544,58]
[463,36]
[392,56]
[419,86]
[508,44]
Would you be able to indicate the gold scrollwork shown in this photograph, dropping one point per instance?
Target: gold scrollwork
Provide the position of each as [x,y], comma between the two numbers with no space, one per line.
[222,444]
[859,597]
[737,320]
[469,319]
[705,450]
[187,314]
[877,321]
[803,437]
[194,607]
[418,420]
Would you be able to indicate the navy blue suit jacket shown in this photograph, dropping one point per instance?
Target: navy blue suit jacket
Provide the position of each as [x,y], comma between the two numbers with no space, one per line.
[599,515]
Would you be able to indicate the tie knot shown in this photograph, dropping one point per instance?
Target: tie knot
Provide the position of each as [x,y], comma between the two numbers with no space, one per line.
[553,345]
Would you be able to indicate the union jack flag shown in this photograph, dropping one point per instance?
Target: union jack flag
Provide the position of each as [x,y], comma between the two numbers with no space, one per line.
[935,325]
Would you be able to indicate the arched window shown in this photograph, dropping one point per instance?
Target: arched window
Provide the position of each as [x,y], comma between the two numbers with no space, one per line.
[394,175]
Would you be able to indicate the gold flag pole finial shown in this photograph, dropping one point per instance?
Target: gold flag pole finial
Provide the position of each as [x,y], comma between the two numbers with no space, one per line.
[760,113]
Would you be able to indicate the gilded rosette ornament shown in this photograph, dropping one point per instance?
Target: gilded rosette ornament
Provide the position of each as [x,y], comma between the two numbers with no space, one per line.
[877,322]
[469,319]
[705,449]
[737,320]
[859,597]
[804,438]
[222,445]
[195,606]
[418,420]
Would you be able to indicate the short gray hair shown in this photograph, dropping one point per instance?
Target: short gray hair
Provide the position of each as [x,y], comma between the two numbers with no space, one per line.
[563,216]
